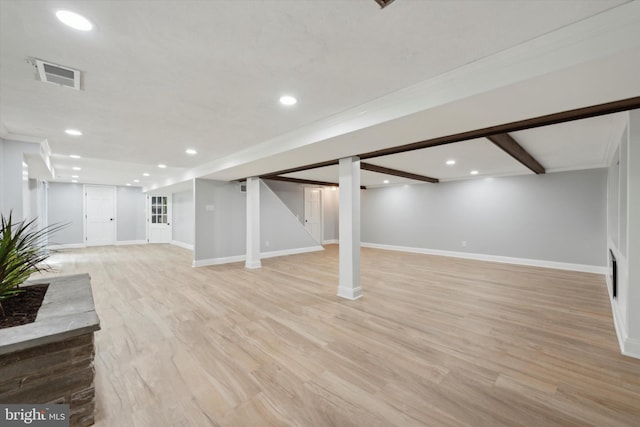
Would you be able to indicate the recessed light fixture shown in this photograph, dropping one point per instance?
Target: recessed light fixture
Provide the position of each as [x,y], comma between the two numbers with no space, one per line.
[73,132]
[474,172]
[386,181]
[74,20]
[191,151]
[288,100]
[128,185]
[136,180]
[161,166]
[75,176]
[145,174]
[451,162]
[75,181]
[76,168]
[74,156]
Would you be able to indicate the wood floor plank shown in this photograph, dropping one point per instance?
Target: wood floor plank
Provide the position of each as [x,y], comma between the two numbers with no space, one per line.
[435,341]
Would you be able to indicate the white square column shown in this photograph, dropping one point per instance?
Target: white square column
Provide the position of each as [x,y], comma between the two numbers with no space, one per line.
[253,223]
[349,281]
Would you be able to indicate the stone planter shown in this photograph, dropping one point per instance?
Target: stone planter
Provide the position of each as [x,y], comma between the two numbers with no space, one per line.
[51,359]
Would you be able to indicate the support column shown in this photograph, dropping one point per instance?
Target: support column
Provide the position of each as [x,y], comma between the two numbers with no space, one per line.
[253,223]
[349,282]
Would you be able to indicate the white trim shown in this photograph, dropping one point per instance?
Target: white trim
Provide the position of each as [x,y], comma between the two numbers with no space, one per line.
[182,245]
[240,258]
[67,246]
[349,293]
[330,242]
[218,261]
[285,252]
[493,258]
[130,242]
[618,322]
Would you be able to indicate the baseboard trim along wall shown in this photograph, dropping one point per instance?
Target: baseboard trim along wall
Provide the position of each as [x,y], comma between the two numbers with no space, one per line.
[182,245]
[330,242]
[628,346]
[493,258]
[131,242]
[67,246]
[240,258]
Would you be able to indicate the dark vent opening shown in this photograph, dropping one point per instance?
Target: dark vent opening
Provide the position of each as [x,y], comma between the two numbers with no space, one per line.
[57,71]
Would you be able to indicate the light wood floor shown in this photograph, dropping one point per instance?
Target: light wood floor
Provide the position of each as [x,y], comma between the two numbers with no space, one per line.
[434,342]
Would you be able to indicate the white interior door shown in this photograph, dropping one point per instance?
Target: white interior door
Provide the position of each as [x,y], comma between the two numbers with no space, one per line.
[313,212]
[100,214]
[159,218]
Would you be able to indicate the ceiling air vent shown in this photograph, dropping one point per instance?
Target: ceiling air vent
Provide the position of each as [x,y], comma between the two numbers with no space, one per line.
[57,74]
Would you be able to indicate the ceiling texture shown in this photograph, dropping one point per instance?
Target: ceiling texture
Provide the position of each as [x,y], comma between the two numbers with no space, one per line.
[160,77]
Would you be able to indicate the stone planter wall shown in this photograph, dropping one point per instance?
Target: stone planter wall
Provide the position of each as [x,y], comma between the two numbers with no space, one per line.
[51,360]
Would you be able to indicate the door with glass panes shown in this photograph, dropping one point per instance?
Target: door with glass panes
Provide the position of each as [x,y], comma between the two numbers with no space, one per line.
[159,218]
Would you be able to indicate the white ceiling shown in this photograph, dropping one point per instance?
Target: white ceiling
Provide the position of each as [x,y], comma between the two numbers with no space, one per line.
[207,75]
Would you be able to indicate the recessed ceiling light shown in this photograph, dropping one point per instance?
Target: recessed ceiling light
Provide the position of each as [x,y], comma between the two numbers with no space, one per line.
[136,180]
[73,132]
[75,21]
[145,174]
[75,181]
[76,168]
[161,166]
[75,176]
[474,172]
[451,162]
[191,151]
[386,181]
[128,185]
[288,100]
[74,156]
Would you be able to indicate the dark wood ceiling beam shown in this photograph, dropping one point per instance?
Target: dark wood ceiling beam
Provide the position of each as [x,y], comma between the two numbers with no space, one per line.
[384,3]
[305,181]
[515,150]
[547,120]
[302,168]
[395,172]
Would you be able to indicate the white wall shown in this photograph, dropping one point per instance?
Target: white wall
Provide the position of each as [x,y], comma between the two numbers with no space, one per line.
[559,217]
[65,206]
[623,235]
[220,221]
[280,230]
[331,213]
[292,195]
[130,215]
[14,191]
[183,218]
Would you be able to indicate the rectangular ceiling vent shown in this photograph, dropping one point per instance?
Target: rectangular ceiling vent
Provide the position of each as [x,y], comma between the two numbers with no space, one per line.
[58,74]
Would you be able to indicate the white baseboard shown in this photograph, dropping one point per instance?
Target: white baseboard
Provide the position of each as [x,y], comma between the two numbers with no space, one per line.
[182,245]
[493,258]
[295,251]
[67,246]
[628,346]
[130,242]
[240,258]
[330,242]
[218,261]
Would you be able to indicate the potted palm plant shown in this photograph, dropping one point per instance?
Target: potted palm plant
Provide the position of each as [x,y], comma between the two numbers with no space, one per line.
[22,253]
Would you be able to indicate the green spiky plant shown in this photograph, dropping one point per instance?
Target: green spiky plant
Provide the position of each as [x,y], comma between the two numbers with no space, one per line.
[22,253]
